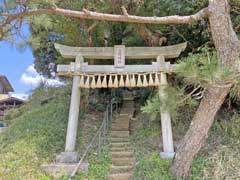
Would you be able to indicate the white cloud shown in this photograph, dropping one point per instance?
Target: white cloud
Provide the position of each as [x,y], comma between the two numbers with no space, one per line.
[19,96]
[31,70]
[32,78]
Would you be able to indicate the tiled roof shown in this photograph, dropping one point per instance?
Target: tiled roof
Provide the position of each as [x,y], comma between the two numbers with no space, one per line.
[6,83]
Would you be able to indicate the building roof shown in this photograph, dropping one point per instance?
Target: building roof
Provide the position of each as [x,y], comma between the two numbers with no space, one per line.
[6,83]
[4,96]
[9,99]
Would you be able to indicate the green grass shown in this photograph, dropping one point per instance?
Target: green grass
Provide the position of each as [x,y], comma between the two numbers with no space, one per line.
[33,138]
[152,167]
[219,159]
[37,134]
[98,167]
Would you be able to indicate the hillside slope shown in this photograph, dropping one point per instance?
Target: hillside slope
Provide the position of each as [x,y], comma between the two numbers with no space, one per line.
[219,159]
[37,134]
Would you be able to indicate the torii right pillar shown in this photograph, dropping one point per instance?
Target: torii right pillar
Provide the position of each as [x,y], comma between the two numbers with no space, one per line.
[167,137]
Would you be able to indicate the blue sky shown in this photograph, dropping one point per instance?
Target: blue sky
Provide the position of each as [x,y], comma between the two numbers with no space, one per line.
[13,64]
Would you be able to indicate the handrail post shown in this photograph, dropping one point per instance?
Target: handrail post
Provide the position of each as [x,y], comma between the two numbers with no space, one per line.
[106,114]
[99,144]
[104,130]
[111,111]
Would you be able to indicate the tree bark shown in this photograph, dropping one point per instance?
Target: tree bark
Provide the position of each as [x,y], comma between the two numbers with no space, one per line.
[227,46]
[85,14]
[198,130]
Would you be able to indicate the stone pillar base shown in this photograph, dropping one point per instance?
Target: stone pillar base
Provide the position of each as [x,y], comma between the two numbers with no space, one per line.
[67,157]
[167,155]
[3,129]
[60,169]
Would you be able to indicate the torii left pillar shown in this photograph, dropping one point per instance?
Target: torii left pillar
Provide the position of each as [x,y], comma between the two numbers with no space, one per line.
[70,155]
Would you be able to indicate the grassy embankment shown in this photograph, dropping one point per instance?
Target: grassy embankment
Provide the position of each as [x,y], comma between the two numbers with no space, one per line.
[219,159]
[37,133]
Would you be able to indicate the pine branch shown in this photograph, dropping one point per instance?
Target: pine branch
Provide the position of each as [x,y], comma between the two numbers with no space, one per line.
[86,14]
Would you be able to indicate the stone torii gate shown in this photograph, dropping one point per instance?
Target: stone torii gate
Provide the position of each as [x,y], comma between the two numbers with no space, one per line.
[113,76]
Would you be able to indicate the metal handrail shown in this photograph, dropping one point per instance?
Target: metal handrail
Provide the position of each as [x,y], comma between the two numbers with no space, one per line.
[103,128]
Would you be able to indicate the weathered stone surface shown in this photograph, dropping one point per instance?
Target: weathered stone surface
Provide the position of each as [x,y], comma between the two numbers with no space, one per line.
[121,149]
[67,157]
[120,134]
[120,169]
[3,129]
[62,169]
[131,52]
[120,144]
[122,154]
[120,176]
[167,155]
[123,161]
[118,140]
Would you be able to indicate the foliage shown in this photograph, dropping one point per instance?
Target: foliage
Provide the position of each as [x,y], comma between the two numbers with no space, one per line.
[204,69]
[45,30]
[33,138]
[153,167]
[218,159]
[171,101]
[98,168]
[37,133]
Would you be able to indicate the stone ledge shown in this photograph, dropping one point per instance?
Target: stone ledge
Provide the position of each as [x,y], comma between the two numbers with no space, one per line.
[3,129]
[67,157]
[57,170]
[167,155]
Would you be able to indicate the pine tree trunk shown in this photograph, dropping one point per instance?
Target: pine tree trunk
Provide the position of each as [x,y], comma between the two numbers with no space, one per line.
[198,130]
[227,46]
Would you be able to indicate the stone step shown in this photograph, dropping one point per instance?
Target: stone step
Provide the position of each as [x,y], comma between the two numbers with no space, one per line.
[120,169]
[119,133]
[123,115]
[120,144]
[121,120]
[128,103]
[128,112]
[123,154]
[116,139]
[120,176]
[120,125]
[121,149]
[123,161]
[127,108]
[120,128]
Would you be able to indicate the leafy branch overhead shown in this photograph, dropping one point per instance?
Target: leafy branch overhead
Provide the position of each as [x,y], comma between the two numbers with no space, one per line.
[205,69]
[9,19]
[174,99]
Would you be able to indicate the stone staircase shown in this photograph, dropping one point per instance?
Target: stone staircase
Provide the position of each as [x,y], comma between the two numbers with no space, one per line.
[121,149]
